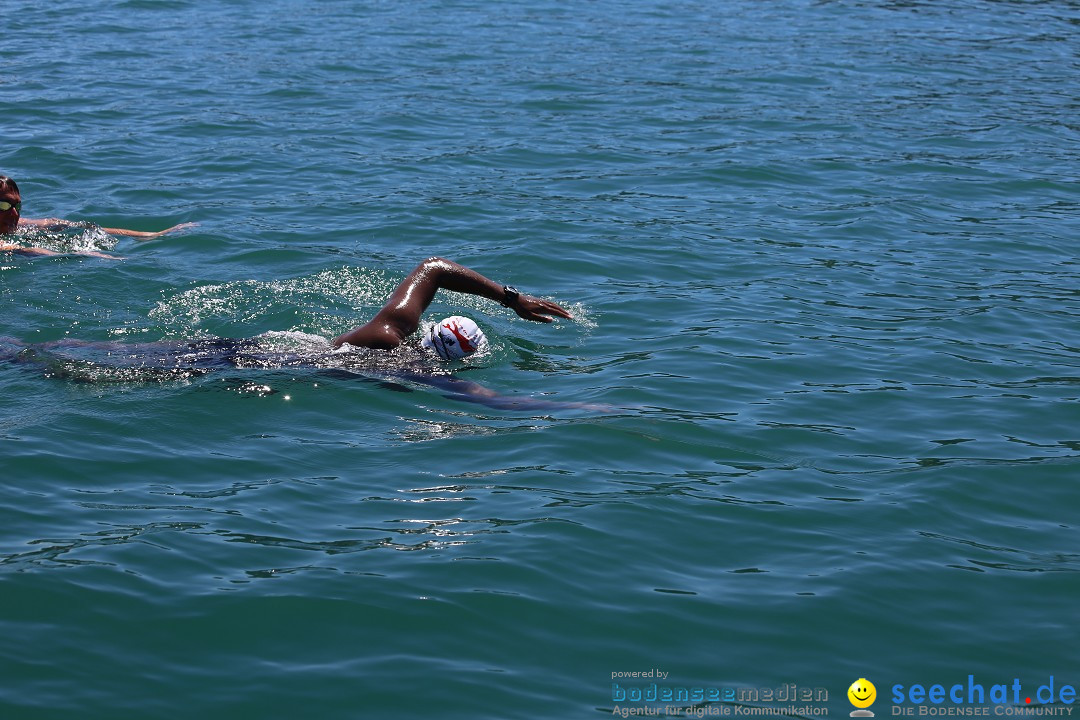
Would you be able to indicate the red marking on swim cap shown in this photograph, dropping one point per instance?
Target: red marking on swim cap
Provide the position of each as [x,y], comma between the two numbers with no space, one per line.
[466,344]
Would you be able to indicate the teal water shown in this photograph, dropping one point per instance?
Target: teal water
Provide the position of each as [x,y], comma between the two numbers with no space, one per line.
[823,261]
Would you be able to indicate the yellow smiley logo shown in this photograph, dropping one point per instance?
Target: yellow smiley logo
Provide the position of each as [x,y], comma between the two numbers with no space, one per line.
[862,693]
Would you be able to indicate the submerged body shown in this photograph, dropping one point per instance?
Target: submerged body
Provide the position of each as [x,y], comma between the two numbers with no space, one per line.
[165,359]
[170,361]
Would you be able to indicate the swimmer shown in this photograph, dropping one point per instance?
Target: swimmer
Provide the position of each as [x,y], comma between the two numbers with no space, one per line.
[390,328]
[11,219]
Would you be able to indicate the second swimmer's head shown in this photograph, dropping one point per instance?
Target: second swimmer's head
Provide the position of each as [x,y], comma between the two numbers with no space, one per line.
[454,337]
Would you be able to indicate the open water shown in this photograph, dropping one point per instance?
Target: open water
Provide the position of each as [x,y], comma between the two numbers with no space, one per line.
[822,257]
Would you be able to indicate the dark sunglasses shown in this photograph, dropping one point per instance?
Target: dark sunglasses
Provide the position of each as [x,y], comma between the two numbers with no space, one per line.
[5,206]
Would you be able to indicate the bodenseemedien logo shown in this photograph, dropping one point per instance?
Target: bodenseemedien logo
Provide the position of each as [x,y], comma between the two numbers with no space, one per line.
[862,695]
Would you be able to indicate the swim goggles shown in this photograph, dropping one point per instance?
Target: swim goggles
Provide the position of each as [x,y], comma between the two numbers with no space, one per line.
[5,206]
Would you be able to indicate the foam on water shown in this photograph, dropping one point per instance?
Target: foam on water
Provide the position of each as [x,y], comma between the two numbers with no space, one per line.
[67,238]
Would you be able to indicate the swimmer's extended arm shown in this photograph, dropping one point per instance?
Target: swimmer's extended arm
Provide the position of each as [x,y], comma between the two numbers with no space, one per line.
[21,250]
[400,316]
[141,235]
[137,234]
[473,392]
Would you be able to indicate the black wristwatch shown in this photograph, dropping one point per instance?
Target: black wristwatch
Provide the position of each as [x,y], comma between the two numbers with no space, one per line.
[510,295]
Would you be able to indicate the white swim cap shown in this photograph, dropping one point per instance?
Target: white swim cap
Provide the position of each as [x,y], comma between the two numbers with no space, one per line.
[454,337]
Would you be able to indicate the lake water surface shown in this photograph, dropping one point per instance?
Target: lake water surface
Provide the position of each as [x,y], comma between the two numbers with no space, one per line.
[822,258]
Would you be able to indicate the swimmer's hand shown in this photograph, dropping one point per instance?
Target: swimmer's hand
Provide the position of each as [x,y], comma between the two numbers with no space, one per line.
[537,310]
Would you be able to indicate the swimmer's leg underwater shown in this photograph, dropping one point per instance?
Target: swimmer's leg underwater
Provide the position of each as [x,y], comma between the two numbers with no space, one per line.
[16,352]
[48,359]
[10,347]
